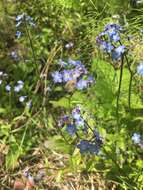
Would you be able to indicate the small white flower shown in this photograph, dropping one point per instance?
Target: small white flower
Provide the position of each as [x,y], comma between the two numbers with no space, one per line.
[136,138]
[20,82]
[1,73]
[8,88]
[22,98]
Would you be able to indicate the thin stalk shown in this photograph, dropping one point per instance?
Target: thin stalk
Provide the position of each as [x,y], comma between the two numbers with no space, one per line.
[130,83]
[119,88]
[130,89]
[32,48]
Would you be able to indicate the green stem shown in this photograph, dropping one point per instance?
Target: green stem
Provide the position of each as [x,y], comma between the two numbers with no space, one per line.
[32,48]
[119,88]
[130,83]
[130,89]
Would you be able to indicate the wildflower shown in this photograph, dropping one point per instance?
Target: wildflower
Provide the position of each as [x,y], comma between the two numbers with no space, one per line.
[19,17]
[57,77]
[107,47]
[79,122]
[76,113]
[19,86]
[94,148]
[90,80]
[73,62]
[22,98]
[71,129]
[8,88]
[29,19]
[115,16]
[14,55]
[81,68]
[114,35]
[69,45]
[136,138]
[81,84]
[83,146]
[113,26]
[86,146]
[140,69]
[118,52]
[67,75]
[18,34]
[20,82]
[63,120]
[76,73]
[22,17]
[1,73]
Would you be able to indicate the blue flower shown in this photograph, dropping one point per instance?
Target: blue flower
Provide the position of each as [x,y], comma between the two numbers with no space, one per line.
[71,129]
[81,69]
[79,122]
[136,138]
[81,84]
[86,146]
[108,47]
[114,35]
[8,88]
[57,77]
[83,146]
[76,73]
[94,148]
[19,17]
[76,113]
[113,26]
[140,69]
[22,98]
[18,34]
[73,62]
[14,55]
[67,75]
[90,80]
[29,19]
[63,120]
[19,86]
[118,52]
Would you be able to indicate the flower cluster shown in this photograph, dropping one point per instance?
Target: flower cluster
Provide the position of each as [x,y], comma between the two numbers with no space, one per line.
[110,41]
[14,55]
[20,19]
[17,88]
[23,17]
[76,126]
[72,71]
[69,45]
